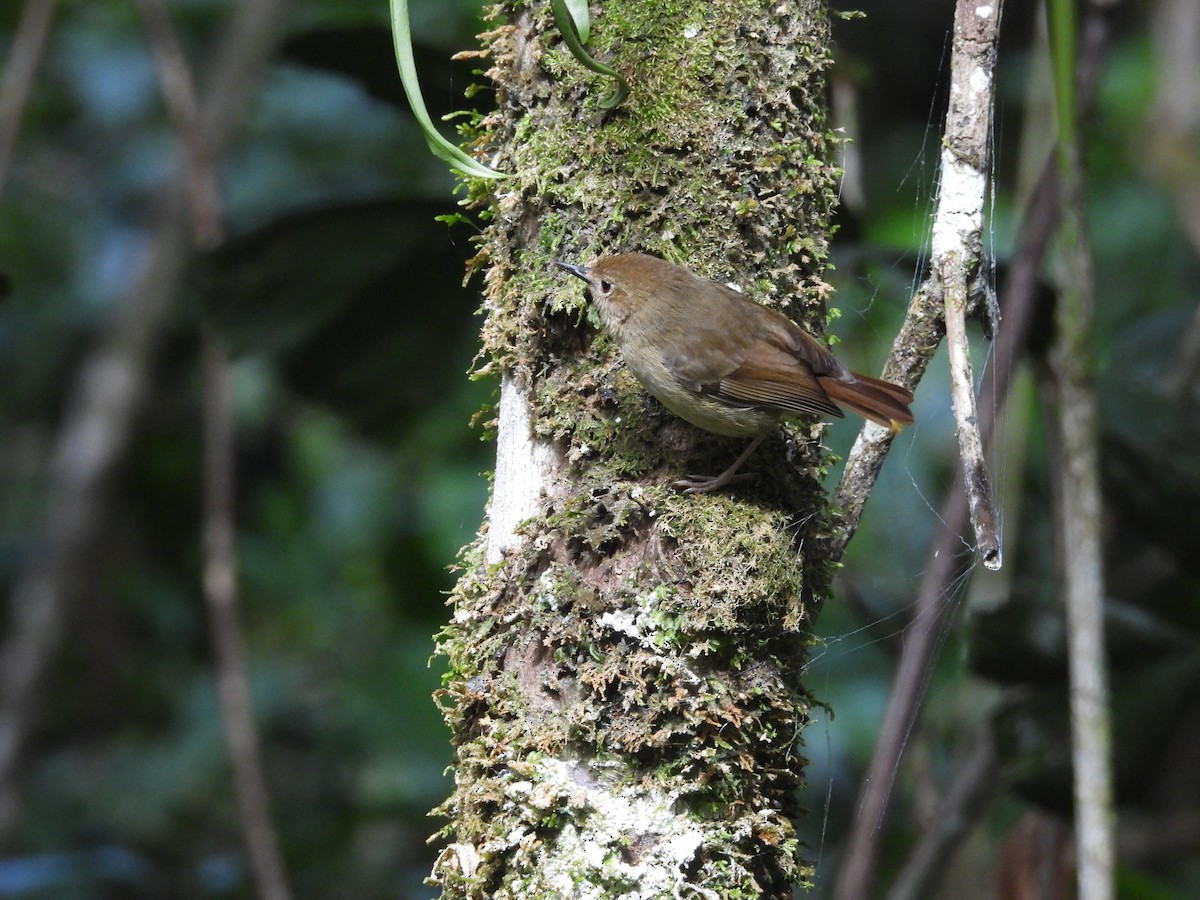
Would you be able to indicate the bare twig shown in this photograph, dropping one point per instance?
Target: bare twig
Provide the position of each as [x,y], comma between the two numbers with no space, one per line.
[1018,301]
[966,424]
[1172,158]
[179,96]
[944,565]
[16,81]
[1079,513]
[912,351]
[957,254]
[93,436]
[957,251]
[221,596]
[860,858]
[220,551]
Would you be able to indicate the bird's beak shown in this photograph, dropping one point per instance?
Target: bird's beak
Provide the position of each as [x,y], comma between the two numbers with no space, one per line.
[577,271]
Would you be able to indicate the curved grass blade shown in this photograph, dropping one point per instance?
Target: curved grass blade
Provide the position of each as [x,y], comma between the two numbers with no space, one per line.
[438,145]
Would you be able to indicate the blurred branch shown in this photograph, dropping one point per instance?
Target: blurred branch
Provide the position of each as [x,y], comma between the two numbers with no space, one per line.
[1172,132]
[221,597]
[16,81]
[93,436]
[1184,368]
[921,642]
[220,535]
[1172,158]
[179,96]
[974,783]
[1079,509]
[101,410]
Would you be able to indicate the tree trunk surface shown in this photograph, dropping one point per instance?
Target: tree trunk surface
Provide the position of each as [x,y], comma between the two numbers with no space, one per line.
[624,661]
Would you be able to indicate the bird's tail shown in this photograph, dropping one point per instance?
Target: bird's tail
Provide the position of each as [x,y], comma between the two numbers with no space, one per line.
[872,398]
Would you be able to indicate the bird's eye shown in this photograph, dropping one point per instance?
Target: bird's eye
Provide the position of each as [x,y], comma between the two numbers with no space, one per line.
[606,287]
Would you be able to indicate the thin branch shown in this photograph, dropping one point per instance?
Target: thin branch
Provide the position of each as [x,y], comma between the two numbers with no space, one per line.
[973,466]
[1079,514]
[911,354]
[221,597]
[220,537]
[1184,368]
[939,306]
[16,81]
[945,565]
[957,251]
[957,254]
[183,108]
[930,618]
[1171,140]
[93,437]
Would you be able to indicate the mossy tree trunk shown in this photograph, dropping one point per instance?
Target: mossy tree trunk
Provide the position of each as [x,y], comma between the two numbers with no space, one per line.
[624,660]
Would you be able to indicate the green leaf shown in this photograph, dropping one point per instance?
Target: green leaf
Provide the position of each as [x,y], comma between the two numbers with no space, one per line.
[581,17]
[441,148]
[565,18]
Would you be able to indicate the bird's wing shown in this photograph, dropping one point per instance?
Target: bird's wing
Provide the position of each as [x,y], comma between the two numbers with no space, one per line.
[768,360]
[776,379]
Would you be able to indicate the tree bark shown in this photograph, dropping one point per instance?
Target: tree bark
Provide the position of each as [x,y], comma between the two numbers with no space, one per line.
[624,660]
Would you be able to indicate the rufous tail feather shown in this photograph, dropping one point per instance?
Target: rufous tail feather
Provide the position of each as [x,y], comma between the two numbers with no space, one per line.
[872,398]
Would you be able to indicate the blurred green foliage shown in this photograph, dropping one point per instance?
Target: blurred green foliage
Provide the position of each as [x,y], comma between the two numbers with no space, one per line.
[359,475]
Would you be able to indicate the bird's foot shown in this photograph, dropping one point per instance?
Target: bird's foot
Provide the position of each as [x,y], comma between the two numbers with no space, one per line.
[702,484]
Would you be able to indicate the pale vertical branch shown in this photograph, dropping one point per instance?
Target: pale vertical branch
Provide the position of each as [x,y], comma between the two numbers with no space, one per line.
[16,81]
[940,304]
[957,257]
[1079,514]
[221,597]
[220,581]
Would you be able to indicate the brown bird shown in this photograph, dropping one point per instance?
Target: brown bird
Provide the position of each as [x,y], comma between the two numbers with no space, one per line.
[722,361]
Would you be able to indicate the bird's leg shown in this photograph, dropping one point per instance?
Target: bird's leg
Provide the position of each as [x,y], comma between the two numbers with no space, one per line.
[700,484]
